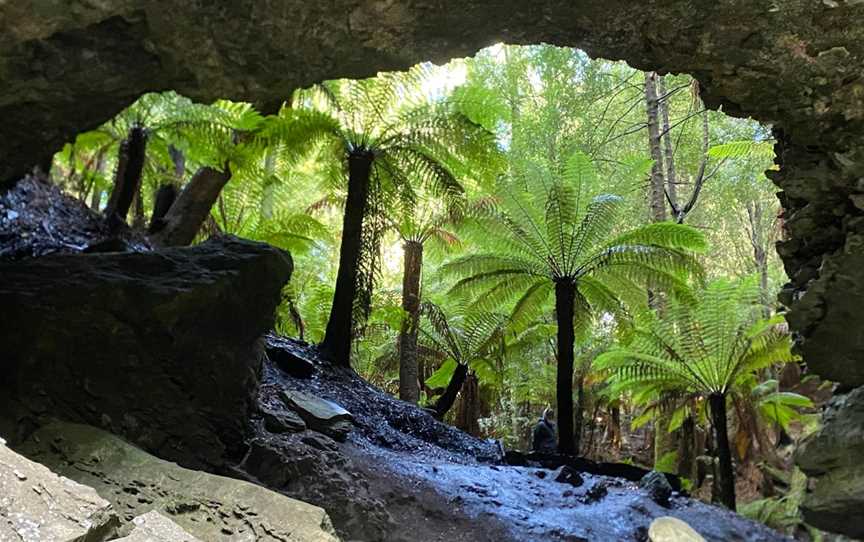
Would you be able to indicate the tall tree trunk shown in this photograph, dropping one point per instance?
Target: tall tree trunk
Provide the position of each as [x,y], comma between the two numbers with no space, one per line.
[340,325]
[565,297]
[445,402]
[409,389]
[725,473]
[657,195]
[578,417]
[668,149]
[186,215]
[130,164]
[760,254]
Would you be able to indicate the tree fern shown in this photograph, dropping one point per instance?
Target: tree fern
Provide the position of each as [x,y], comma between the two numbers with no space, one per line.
[549,234]
[706,347]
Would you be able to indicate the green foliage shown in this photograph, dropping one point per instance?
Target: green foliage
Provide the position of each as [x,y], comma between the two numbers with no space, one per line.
[783,513]
[707,345]
[547,227]
[667,463]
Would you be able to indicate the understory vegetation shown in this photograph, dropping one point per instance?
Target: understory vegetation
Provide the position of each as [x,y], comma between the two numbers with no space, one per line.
[528,228]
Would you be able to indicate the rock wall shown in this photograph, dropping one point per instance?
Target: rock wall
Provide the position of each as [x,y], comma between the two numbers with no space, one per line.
[209,507]
[163,348]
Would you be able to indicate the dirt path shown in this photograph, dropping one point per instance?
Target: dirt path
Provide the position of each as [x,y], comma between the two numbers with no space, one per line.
[429,481]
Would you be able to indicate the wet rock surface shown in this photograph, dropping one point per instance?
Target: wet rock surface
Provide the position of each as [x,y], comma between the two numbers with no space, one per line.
[161,347]
[209,507]
[401,475]
[833,457]
[37,504]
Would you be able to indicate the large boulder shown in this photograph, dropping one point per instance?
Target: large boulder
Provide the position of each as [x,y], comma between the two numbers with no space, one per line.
[36,505]
[161,347]
[208,507]
[834,457]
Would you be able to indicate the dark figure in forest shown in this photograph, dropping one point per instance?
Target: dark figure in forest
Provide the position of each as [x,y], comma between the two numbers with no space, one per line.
[545,439]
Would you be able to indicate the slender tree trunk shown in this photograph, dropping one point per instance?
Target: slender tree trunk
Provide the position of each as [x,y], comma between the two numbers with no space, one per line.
[725,473]
[657,196]
[409,389]
[578,418]
[760,254]
[686,448]
[192,207]
[445,402]
[565,297]
[338,335]
[468,412]
[668,149]
[130,164]
[614,428]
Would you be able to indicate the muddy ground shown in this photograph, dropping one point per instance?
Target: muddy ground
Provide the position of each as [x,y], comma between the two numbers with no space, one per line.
[424,480]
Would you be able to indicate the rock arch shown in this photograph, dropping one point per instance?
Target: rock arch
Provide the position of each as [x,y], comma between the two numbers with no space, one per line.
[798,64]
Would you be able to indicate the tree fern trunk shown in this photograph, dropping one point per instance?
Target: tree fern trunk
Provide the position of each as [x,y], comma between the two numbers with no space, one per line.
[186,215]
[445,402]
[408,369]
[338,335]
[725,474]
[565,296]
[130,164]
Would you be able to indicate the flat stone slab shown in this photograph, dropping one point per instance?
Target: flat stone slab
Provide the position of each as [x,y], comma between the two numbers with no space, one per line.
[154,527]
[315,411]
[37,505]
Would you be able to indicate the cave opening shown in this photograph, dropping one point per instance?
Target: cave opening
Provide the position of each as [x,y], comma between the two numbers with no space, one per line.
[808,95]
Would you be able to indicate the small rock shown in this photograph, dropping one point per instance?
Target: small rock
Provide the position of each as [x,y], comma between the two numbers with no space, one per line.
[596,493]
[568,475]
[657,486]
[282,422]
[669,529]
